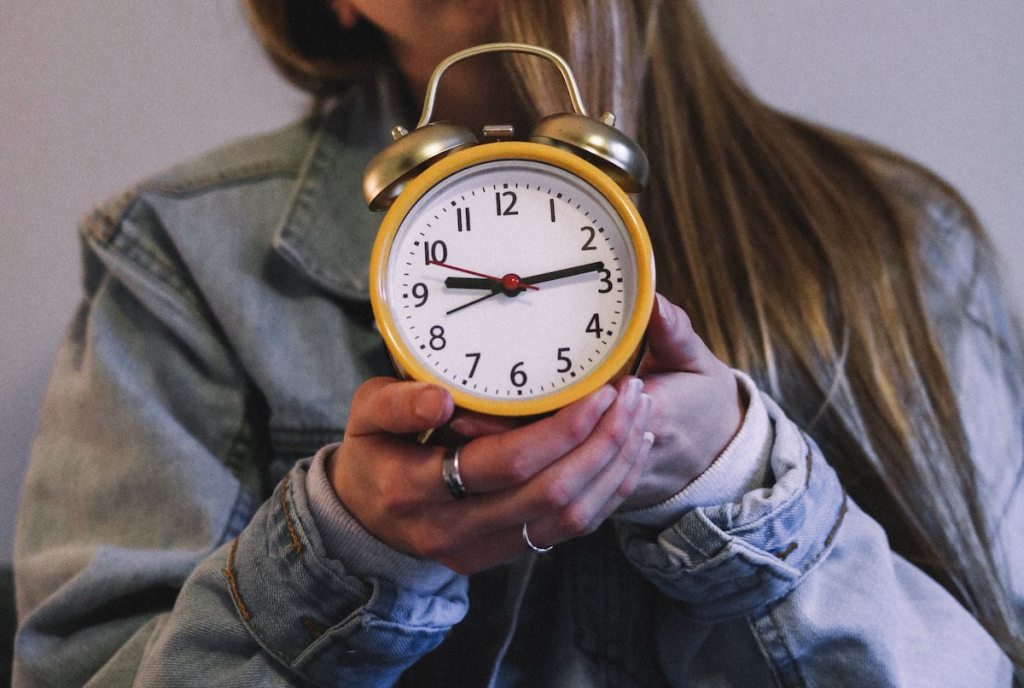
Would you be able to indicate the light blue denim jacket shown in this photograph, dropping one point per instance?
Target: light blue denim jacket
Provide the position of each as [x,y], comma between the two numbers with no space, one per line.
[167,536]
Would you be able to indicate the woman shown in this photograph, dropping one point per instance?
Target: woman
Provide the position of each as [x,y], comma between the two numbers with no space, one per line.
[842,512]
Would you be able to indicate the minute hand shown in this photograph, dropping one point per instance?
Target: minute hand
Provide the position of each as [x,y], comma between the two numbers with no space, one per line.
[564,272]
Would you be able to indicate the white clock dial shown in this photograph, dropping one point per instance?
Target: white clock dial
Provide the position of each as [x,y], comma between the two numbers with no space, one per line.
[511,279]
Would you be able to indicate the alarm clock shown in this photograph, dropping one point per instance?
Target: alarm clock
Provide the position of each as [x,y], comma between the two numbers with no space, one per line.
[516,274]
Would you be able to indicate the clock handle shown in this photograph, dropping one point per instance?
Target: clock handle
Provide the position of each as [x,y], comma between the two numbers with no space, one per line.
[563,67]
[412,152]
[595,140]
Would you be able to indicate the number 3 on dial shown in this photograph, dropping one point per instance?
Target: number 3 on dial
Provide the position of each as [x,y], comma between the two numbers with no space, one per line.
[515,274]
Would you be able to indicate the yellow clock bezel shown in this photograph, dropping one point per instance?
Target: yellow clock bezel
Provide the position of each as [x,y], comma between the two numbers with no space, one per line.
[625,350]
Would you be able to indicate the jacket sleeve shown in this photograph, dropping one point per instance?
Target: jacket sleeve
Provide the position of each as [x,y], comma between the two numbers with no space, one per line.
[147,550]
[799,566]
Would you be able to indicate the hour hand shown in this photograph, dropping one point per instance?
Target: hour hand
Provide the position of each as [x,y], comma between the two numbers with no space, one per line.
[511,283]
[472,283]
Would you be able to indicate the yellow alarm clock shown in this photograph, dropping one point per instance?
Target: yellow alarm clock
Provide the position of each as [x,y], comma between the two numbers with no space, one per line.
[516,274]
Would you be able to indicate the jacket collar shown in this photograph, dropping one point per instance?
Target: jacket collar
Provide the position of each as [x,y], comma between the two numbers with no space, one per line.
[327,231]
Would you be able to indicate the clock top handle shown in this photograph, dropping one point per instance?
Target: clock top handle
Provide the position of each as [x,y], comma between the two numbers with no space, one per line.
[595,140]
[555,58]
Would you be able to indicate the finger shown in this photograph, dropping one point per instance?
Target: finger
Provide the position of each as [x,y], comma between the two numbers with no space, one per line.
[597,467]
[623,481]
[497,548]
[496,462]
[604,493]
[566,480]
[672,344]
[629,484]
[506,543]
[485,532]
[470,424]
[386,405]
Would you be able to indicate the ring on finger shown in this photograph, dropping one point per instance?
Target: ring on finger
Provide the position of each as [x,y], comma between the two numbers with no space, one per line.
[450,472]
[533,547]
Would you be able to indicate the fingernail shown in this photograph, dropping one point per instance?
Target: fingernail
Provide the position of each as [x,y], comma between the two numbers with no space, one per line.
[464,427]
[430,403]
[605,397]
[665,309]
[633,389]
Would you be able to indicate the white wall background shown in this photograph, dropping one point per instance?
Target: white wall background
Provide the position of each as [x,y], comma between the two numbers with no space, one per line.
[96,95]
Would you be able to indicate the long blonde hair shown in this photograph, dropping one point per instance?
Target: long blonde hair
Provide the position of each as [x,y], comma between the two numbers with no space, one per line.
[782,242]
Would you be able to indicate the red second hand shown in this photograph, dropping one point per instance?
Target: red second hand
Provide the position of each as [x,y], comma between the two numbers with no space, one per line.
[510,281]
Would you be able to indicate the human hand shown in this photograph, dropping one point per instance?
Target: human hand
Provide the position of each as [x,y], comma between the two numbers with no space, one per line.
[697,405]
[562,475]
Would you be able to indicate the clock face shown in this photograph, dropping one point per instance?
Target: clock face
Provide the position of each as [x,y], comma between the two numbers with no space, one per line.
[512,281]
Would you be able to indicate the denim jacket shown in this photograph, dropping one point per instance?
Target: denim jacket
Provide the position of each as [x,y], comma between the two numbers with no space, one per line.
[167,535]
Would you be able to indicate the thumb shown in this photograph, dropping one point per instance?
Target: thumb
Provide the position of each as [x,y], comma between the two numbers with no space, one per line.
[386,405]
[672,345]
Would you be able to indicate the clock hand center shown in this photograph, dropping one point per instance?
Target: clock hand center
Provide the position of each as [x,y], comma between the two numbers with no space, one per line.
[511,282]
[511,285]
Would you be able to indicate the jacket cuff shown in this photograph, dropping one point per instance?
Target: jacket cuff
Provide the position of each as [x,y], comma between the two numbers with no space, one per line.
[742,466]
[317,615]
[726,560]
[365,556]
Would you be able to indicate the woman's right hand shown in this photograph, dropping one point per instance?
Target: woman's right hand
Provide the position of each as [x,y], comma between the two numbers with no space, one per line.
[562,475]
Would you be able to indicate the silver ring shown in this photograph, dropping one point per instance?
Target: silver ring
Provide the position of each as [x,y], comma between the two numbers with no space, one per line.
[450,472]
[529,543]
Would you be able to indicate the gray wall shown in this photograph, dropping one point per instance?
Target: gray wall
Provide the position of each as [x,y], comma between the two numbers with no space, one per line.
[95,95]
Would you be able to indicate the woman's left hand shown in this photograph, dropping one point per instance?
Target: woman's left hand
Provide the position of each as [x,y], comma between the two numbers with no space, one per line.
[697,405]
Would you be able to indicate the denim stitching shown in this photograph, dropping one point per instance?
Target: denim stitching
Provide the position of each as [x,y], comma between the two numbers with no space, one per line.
[770,573]
[236,175]
[236,596]
[296,543]
[104,220]
[105,227]
[767,572]
[773,643]
[838,522]
[840,517]
[315,629]
[149,258]
[159,269]
[780,508]
[810,462]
